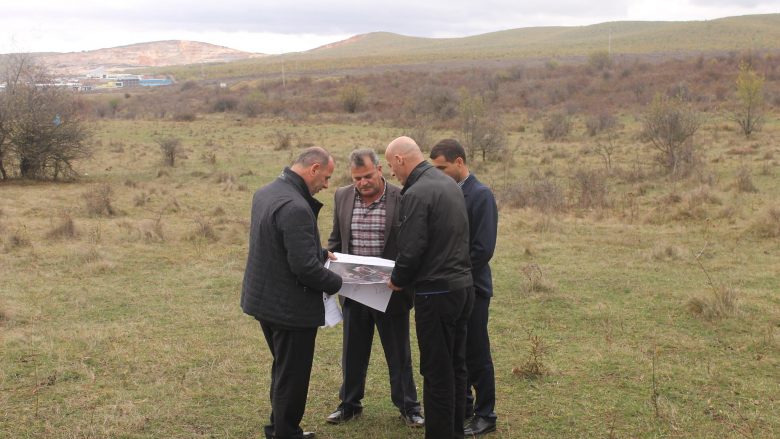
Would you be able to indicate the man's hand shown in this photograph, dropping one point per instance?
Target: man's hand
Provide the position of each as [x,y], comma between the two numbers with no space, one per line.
[331,256]
[392,286]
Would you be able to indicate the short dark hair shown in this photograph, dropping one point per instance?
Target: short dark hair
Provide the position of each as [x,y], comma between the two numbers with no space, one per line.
[312,155]
[357,158]
[450,149]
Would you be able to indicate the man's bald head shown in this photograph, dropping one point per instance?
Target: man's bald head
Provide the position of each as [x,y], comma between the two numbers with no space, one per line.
[403,155]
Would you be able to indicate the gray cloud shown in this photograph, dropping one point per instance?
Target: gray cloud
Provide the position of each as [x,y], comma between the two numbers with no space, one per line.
[336,17]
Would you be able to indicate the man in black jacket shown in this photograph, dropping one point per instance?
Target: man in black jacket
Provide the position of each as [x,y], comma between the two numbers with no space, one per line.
[450,157]
[433,259]
[284,281]
[365,223]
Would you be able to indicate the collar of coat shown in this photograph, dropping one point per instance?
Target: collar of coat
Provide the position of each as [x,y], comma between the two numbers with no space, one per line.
[418,170]
[297,182]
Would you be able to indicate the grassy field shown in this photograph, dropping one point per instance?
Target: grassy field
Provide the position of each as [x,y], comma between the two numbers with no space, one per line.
[654,315]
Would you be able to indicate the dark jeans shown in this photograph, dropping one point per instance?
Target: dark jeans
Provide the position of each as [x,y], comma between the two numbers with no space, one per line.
[441,321]
[293,353]
[359,322]
[480,363]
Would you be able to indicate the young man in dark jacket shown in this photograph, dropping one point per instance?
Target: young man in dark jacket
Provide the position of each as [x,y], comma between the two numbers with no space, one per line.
[450,157]
[284,281]
[433,259]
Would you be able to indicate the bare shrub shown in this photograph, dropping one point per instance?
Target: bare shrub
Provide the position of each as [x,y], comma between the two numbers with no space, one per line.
[141,199]
[536,283]
[184,116]
[721,302]
[669,124]
[744,181]
[591,188]
[556,127]
[665,252]
[284,140]
[17,239]
[224,104]
[601,122]
[66,229]
[352,98]
[203,231]
[544,195]
[767,225]
[534,366]
[152,230]
[170,148]
[98,200]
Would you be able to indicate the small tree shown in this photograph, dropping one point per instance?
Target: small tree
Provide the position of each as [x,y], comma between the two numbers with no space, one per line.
[668,125]
[749,112]
[482,133]
[39,124]
[352,98]
[170,147]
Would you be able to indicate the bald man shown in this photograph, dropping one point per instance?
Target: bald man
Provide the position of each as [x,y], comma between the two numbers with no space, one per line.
[433,260]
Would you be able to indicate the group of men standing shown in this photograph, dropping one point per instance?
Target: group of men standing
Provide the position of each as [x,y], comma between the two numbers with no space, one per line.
[439,228]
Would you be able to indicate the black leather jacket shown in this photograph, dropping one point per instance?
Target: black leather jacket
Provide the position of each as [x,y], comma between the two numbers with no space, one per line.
[433,239]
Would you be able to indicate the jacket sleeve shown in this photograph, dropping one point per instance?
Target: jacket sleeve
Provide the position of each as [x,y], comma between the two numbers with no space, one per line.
[334,241]
[484,228]
[412,239]
[302,250]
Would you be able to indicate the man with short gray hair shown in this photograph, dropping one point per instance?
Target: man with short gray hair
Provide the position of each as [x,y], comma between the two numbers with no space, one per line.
[365,223]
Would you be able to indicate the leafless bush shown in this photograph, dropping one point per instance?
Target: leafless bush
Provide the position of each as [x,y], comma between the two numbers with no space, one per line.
[203,231]
[66,229]
[17,239]
[534,366]
[600,123]
[556,127]
[767,225]
[98,200]
[284,140]
[170,147]
[744,181]
[352,98]
[185,116]
[591,188]
[669,125]
[225,104]
[536,283]
[544,195]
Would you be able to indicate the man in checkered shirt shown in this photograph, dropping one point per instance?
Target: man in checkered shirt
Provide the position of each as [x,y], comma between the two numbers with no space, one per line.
[365,223]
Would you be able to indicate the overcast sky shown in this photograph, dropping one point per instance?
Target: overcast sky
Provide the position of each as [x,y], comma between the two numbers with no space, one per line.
[279,26]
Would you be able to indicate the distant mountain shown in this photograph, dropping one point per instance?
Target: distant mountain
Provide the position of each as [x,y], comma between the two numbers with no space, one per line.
[153,54]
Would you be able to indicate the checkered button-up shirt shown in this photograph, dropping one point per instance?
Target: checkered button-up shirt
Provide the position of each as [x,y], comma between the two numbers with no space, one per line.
[367,237]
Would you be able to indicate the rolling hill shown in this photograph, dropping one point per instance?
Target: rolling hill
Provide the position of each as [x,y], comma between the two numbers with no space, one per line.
[374,50]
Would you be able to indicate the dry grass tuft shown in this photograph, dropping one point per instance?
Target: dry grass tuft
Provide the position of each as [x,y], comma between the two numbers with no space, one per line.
[66,229]
[720,303]
[19,238]
[534,366]
[767,225]
[744,181]
[591,188]
[667,253]
[203,231]
[535,281]
[98,200]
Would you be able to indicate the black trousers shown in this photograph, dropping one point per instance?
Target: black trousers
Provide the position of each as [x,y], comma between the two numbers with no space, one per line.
[479,363]
[293,353]
[359,322]
[441,321]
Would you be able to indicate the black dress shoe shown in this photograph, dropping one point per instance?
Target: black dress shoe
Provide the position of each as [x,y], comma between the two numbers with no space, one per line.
[413,420]
[340,416]
[479,426]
